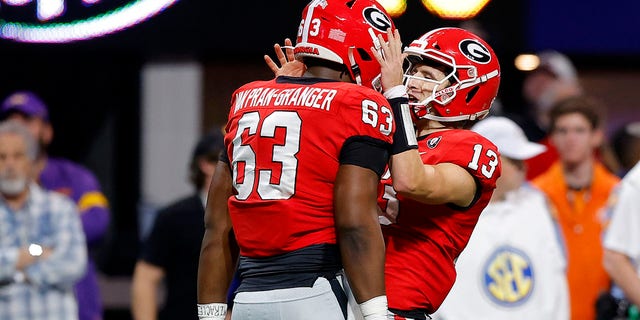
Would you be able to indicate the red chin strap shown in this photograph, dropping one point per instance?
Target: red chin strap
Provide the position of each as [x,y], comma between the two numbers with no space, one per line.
[418,112]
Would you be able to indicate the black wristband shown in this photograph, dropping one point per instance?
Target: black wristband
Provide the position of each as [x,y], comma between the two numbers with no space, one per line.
[404,138]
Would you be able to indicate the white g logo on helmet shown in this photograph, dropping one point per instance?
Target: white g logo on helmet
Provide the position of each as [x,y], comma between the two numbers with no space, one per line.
[376,18]
[475,51]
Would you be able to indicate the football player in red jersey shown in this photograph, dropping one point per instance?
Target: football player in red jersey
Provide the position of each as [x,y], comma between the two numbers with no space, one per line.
[298,182]
[432,197]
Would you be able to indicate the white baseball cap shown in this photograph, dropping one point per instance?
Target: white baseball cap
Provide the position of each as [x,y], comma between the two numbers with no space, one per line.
[558,64]
[508,137]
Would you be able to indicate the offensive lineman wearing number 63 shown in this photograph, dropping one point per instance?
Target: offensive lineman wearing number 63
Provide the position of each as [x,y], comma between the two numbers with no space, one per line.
[298,181]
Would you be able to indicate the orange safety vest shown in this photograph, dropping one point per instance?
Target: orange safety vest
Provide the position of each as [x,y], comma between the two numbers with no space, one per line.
[581,217]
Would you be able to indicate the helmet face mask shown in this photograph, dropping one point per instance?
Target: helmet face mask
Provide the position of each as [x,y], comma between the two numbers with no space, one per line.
[470,79]
[343,31]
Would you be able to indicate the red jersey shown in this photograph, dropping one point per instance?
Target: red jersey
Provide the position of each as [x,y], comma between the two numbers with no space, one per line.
[284,141]
[423,241]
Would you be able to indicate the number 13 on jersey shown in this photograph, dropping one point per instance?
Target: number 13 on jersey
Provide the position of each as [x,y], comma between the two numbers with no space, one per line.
[487,169]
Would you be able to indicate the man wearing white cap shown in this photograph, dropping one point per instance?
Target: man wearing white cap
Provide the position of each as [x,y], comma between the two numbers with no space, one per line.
[514,264]
[553,80]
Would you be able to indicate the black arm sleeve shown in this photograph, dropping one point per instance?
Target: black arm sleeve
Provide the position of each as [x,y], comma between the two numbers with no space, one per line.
[366,152]
[404,138]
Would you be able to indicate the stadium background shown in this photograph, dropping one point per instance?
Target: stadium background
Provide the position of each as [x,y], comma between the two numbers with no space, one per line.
[111,110]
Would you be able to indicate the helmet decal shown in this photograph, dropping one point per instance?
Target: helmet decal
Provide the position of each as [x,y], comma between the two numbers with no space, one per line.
[337,35]
[475,51]
[377,19]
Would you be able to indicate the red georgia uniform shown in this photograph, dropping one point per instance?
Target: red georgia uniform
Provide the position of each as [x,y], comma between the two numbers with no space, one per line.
[422,240]
[284,139]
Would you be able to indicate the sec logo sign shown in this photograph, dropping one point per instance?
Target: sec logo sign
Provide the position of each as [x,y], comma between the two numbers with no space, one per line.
[55,21]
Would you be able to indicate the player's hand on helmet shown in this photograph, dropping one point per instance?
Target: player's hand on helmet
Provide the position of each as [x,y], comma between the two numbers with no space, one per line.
[289,66]
[390,58]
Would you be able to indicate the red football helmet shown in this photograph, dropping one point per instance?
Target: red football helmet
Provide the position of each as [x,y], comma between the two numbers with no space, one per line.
[343,31]
[471,67]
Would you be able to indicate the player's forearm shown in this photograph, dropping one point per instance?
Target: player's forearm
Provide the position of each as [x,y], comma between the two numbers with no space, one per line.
[215,270]
[362,251]
[623,274]
[433,184]
[358,231]
[410,177]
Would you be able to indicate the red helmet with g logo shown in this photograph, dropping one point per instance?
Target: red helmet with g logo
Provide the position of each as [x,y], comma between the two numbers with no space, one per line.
[471,68]
[343,31]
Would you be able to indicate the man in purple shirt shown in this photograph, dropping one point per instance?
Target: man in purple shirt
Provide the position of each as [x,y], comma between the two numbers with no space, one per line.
[71,179]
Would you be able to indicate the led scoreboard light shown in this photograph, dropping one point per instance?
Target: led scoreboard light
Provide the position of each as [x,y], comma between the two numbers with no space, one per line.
[50,22]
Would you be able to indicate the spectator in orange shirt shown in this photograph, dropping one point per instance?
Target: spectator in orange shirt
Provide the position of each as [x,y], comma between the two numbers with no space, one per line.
[579,185]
